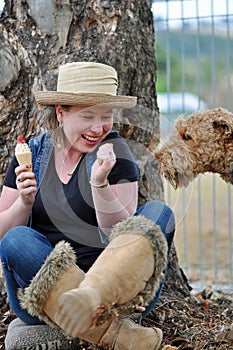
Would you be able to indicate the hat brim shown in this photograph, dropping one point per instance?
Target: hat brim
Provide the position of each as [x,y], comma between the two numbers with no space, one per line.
[50,98]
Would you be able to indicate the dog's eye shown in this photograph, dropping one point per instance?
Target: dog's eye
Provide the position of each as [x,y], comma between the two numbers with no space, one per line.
[186,137]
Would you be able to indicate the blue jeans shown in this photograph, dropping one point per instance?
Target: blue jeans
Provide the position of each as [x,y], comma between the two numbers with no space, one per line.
[23,251]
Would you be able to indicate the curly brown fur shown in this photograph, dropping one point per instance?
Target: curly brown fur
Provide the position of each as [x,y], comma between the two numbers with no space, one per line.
[201,143]
[33,297]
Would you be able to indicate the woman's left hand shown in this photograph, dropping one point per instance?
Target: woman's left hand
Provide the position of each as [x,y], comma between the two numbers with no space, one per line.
[104,163]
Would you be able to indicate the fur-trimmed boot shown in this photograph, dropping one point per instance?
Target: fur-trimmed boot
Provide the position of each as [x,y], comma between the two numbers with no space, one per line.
[124,334]
[59,274]
[125,277]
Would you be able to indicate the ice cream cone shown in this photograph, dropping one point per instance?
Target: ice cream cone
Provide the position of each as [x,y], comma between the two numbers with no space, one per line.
[23,153]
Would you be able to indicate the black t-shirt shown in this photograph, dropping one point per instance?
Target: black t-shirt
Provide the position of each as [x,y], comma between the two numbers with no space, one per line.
[66,211]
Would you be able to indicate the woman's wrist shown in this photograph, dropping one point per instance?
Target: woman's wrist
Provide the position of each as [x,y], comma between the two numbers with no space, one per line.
[102,185]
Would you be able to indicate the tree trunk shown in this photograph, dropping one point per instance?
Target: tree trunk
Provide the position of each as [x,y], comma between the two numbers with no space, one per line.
[37,36]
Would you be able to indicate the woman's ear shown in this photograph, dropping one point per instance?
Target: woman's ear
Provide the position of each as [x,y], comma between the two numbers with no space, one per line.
[59,112]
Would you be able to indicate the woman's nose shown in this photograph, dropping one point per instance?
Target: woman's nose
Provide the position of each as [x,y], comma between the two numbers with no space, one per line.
[97,129]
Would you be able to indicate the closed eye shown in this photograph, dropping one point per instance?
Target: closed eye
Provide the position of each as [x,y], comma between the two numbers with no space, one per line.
[106,117]
[88,117]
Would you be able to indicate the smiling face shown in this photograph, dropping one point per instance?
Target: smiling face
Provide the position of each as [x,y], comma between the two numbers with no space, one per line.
[84,126]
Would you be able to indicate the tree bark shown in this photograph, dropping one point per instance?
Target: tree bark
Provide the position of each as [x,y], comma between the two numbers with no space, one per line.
[38,36]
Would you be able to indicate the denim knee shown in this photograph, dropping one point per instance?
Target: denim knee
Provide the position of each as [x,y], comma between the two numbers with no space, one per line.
[162,215]
[10,243]
[13,241]
[19,243]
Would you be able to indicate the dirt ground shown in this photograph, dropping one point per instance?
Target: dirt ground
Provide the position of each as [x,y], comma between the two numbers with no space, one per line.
[203,321]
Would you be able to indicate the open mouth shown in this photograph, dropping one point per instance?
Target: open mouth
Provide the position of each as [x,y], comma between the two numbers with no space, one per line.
[90,139]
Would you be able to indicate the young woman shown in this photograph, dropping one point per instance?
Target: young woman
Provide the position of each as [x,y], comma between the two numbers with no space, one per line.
[58,221]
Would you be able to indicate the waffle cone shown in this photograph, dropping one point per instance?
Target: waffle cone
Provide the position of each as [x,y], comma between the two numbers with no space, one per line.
[24,155]
[24,159]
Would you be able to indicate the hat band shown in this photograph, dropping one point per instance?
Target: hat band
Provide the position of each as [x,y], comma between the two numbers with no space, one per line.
[90,79]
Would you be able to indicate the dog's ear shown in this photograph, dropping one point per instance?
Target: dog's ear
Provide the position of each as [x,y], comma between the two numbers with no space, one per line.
[224,126]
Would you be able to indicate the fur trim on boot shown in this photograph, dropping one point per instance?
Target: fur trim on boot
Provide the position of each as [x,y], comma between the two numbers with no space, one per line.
[33,297]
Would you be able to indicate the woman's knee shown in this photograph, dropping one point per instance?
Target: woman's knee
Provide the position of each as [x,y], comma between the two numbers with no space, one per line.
[19,239]
[162,215]
[157,211]
[13,238]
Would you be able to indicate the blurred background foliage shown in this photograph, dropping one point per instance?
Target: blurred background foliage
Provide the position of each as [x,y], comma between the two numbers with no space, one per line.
[187,48]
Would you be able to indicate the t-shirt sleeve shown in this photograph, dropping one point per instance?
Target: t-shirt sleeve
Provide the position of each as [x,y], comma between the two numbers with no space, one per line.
[126,168]
[124,171]
[10,178]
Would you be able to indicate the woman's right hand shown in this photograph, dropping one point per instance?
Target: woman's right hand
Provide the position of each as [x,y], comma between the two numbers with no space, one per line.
[26,185]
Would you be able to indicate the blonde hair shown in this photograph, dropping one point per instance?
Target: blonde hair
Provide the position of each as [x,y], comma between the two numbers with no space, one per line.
[51,123]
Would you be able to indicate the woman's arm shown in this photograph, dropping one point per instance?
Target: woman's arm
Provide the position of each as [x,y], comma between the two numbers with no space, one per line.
[16,204]
[114,203]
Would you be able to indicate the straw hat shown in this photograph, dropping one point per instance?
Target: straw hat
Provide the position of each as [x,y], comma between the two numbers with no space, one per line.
[86,83]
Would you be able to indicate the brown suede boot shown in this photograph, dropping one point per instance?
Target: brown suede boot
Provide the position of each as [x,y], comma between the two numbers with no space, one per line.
[131,336]
[124,335]
[59,274]
[127,273]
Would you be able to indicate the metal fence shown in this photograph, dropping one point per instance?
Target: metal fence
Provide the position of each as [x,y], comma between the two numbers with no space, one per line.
[195,56]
